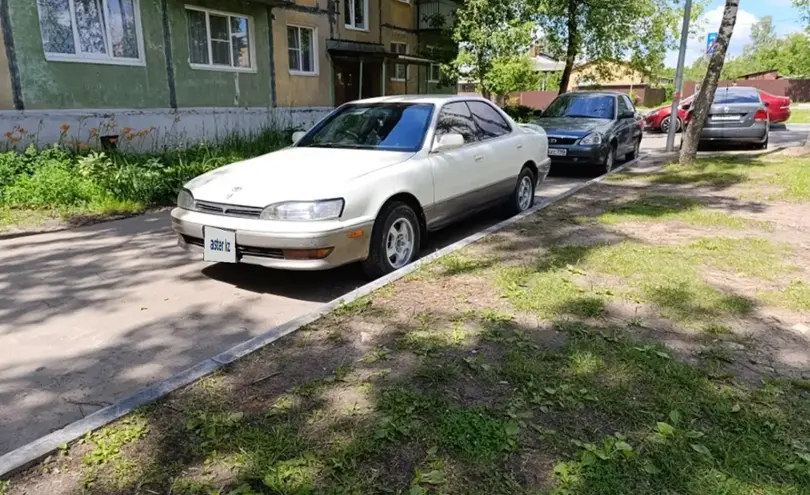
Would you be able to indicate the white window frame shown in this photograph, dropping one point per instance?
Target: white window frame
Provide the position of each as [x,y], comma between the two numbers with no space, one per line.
[407,66]
[404,1]
[98,58]
[349,4]
[224,68]
[315,69]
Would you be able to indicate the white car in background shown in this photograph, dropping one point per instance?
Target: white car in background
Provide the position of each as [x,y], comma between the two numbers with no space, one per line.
[367,183]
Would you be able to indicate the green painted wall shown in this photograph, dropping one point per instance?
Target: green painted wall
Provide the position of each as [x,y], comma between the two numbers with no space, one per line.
[58,85]
[206,88]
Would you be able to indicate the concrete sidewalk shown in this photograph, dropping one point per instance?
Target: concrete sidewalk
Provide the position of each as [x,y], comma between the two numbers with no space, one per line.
[92,314]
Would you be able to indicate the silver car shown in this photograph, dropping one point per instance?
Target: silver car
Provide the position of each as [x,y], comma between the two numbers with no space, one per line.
[738,115]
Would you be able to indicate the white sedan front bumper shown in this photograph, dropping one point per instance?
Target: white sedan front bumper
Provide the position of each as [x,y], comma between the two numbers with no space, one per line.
[258,243]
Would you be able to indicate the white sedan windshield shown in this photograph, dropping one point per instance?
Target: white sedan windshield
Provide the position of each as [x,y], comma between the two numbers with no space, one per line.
[380,126]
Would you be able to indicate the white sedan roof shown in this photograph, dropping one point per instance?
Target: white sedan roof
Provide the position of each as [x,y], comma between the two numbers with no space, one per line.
[434,99]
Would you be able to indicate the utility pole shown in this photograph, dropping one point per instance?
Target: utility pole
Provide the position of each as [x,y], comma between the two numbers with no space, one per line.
[676,96]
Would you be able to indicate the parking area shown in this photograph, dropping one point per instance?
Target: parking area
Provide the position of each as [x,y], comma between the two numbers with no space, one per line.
[90,315]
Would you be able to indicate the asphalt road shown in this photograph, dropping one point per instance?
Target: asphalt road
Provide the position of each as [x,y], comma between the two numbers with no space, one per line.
[90,315]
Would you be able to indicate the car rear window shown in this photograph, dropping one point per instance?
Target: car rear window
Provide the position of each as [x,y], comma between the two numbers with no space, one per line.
[725,97]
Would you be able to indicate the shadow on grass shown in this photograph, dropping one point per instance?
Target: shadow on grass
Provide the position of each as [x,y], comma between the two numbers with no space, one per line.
[494,412]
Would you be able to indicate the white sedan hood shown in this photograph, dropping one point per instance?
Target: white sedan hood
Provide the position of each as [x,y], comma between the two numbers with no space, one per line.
[290,174]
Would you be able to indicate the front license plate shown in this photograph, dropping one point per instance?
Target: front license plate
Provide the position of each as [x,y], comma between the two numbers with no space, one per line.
[219,245]
[557,152]
[725,117]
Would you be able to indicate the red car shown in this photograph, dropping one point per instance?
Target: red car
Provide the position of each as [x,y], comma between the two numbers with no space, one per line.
[658,119]
[778,107]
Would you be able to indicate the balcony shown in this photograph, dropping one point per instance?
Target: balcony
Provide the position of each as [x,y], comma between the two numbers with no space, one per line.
[435,15]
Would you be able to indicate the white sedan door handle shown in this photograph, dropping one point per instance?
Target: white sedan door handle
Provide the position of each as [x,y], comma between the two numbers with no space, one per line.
[520,146]
[479,158]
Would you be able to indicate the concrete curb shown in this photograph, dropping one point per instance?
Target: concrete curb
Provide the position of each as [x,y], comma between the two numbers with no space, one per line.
[41,447]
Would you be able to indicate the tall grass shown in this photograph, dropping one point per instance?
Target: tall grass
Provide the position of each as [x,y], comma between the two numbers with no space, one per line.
[67,182]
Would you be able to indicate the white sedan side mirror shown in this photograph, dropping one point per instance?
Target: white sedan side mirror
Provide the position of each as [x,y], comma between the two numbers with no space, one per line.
[297,135]
[448,142]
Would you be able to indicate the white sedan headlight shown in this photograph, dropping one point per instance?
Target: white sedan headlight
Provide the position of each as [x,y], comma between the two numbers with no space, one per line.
[304,211]
[185,200]
[594,138]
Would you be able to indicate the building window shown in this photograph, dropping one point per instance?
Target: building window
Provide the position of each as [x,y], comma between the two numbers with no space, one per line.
[400,70]
[435,70]
[301,50]
[219,40]
[96,31]
[435,73]
[355,14]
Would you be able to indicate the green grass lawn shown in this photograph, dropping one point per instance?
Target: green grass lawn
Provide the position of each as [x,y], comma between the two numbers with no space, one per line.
[799,116]
[578,352]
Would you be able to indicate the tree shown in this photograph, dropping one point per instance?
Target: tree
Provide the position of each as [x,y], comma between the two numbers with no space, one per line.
[804,9]
[511,74]
[490,33]
[638,32]
[705,97]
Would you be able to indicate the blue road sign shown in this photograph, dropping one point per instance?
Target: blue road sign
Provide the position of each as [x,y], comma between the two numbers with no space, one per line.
[711,43]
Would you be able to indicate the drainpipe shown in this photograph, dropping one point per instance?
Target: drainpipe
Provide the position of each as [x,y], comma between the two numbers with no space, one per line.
[384,65]
[360,91]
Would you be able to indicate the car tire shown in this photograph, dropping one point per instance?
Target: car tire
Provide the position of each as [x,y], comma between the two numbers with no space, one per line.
[665,125]
[523,196]
[395,240]
[634,154]
[610,160]
[764,146]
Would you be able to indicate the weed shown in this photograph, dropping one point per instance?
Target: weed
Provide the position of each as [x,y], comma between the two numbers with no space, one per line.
[108,441]
[795,296]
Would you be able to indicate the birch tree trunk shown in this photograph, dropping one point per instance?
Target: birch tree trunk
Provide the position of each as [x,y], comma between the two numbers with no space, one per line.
[705,98]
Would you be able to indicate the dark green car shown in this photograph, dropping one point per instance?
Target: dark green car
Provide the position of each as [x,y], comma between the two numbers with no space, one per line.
[593,128]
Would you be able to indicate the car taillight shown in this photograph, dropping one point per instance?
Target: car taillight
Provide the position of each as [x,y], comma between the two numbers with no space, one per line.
[761,115]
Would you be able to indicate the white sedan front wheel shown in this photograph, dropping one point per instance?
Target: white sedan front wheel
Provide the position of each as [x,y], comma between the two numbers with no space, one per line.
[395,240]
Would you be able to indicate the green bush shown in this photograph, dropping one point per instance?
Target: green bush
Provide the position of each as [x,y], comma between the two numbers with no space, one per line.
[59,180]
[522,113]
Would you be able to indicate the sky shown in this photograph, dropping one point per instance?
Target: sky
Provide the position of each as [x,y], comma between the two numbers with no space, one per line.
[785,19]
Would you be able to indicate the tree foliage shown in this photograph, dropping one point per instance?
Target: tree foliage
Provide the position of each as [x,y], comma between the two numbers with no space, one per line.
[511,74]
[804,9]
[789,55]
[492,35]
[638,32]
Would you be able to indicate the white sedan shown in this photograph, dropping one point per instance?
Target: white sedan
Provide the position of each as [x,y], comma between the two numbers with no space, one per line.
[367,183]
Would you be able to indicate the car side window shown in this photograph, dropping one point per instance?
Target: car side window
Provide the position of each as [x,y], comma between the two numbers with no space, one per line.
[457,117]
[623,105]
[490,123]
[630,105]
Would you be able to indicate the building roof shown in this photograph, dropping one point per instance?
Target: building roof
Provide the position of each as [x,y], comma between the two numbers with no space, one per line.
[758,73]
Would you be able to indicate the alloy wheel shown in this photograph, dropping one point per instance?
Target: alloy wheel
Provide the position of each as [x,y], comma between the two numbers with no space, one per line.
[525,193]
[399,243]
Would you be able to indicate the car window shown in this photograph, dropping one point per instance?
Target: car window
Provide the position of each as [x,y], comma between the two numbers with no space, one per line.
[490,123]
[726,96]
[582,105]
[457,117]
[630,105]
[385,126]
[623,105]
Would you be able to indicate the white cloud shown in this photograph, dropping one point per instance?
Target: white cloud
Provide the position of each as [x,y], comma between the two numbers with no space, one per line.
[710,23]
